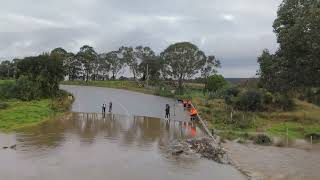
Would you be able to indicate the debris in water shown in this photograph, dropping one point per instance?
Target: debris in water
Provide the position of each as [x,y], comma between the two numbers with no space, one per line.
[203,146]
[178,152]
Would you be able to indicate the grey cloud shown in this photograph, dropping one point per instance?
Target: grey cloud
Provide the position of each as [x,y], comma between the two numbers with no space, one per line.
[235,31]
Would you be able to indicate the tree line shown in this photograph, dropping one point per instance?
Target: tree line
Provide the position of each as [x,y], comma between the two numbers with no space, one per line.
[180,61]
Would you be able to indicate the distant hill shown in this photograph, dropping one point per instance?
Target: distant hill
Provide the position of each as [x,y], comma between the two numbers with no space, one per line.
[238,80]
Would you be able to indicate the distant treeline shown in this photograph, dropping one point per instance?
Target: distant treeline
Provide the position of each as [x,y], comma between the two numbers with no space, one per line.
[180,61]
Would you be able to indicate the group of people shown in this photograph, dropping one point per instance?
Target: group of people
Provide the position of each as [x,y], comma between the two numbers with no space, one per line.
[187,104]
[104,106]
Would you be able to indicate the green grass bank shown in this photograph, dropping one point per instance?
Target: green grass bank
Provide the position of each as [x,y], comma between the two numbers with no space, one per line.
[15,114]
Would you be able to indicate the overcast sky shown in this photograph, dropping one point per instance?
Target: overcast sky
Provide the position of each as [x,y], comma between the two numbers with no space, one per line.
[235,31]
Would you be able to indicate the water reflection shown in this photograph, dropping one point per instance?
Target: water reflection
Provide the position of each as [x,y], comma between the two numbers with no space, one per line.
[137,130]
[87,146]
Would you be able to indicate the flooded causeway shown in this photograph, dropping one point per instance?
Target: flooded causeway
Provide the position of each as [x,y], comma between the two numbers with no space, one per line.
[115,147]
[131,143]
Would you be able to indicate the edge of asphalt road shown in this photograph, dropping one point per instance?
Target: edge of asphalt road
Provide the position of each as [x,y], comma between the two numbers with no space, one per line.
[248,174]
[126,109]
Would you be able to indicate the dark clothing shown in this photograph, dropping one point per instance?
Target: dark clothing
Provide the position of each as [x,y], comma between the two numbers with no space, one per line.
[110,106]
[103,108]
[167,111]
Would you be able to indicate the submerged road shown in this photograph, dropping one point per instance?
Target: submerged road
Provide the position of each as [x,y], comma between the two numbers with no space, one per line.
[90,99]
[123,145]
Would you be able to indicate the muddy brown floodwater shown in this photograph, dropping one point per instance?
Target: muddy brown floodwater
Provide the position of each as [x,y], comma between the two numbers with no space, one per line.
[277,163]
[83,146]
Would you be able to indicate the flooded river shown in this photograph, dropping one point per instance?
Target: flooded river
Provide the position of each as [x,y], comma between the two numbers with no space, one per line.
[84,146]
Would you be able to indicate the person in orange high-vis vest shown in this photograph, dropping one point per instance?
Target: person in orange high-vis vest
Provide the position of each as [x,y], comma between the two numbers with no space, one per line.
[193,113]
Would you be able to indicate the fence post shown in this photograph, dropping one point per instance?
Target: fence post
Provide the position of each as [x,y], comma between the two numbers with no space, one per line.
[287,137]
[311,139]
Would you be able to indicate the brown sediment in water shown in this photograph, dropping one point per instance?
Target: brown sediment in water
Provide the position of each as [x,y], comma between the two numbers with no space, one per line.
[115,147]
[270,162]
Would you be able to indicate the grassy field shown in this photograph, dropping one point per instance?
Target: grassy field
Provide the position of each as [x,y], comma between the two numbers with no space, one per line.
[19,114]
[4,82]
[305,119]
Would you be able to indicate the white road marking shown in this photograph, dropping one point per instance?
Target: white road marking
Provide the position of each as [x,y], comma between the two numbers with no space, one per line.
[123,107]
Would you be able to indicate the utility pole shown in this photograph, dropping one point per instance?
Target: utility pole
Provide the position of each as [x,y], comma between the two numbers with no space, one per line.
[8,69]
[147,74]
[8,72]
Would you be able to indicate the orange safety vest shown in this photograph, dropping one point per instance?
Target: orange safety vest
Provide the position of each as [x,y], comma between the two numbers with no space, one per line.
[193,112]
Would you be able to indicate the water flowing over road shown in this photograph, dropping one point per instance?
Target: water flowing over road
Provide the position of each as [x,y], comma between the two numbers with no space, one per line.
[81,146]
[90,99]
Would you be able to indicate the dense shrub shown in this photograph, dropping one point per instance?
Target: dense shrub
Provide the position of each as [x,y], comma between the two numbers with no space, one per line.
[312,96]
[262,139]
[3,105]
[26,90]
[7,91]
[216,82]
[245,123]
[268,98]
[233,91]
[250,101]
[284,102]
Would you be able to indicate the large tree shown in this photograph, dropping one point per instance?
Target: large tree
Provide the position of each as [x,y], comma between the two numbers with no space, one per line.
[45,71]
[72,66]
[272,72]
[147,62]
[297,28]
[59,52]
[183,60]
[131,60]
[151,67]
[210,67]
[6,69]
[115,62]
[216,82]
[87,57]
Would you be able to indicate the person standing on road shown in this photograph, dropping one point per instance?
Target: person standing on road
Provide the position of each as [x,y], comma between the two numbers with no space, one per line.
[110,107]
[103,108]
[167,111]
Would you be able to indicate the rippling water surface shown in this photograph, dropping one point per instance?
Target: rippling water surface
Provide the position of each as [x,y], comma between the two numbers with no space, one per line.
[116,147]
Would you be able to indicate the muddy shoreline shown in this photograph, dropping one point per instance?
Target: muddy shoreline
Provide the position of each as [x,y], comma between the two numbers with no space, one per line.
[256,161]
[271,162]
